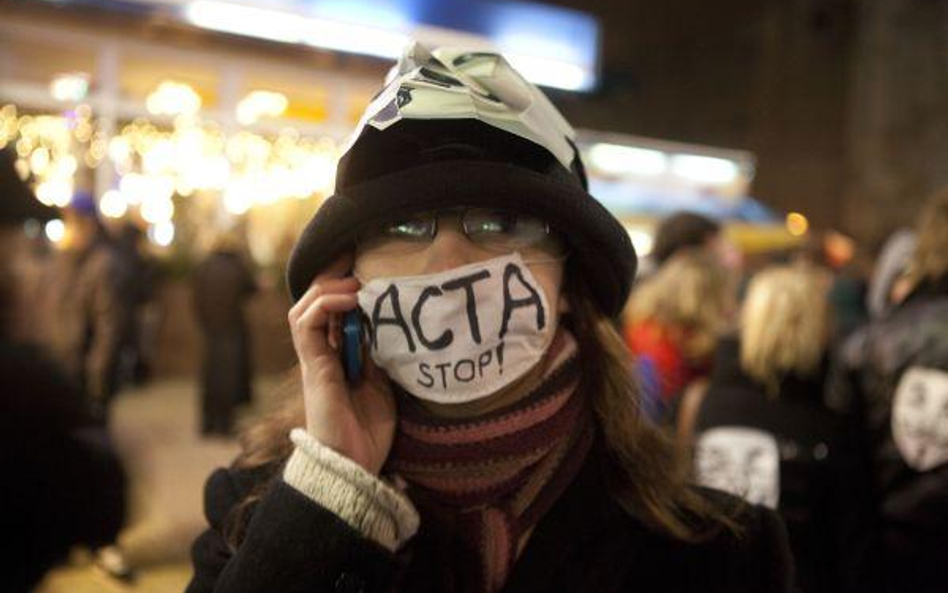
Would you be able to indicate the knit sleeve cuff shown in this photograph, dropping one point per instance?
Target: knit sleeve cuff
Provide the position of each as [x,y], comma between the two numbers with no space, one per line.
[366,503]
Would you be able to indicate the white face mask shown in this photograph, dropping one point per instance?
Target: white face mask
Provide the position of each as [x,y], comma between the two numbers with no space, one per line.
[920,418]
[459,335]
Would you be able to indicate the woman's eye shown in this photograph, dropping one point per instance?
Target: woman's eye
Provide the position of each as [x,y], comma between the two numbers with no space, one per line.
[409,229]
[495,224]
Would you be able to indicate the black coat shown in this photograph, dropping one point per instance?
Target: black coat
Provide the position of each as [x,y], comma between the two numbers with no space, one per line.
[222,285]
[912,505]
[585,543]
[823,478]
[65,485]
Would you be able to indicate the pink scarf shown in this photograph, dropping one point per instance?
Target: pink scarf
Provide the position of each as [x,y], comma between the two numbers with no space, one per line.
[498,474]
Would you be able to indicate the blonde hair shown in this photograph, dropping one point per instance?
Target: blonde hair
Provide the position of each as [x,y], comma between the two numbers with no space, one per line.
[784,323]
[692,295]
[930,260]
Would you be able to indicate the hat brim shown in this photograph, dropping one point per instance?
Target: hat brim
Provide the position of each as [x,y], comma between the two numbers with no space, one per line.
[598,242]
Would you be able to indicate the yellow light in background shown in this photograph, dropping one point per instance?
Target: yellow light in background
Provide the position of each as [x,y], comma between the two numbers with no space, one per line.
[55,230]
[133,186]
[22,169]
[98,149]
[83,132]
[160,157]
[797,224]
[39,160]
[162,233]
[237,197]
[24,147]
[194,157]
[113,204]
[839,248]
[55,192]
[119,149]
[69,87]
[320,170]
[66,166]
[157,209]
[259,104]
[173,98]
[216,174]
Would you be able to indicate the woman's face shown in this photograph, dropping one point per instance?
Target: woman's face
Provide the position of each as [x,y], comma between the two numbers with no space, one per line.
[486,237]
[451,248]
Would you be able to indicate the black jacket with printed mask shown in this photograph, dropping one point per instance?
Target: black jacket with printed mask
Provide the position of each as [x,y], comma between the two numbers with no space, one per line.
[896,369]
[816,480]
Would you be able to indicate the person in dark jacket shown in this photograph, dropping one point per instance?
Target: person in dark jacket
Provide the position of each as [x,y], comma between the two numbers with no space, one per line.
[492,439]
[222,285]
[66,486]
[894,379]
[761,429]
[139,276]
[84,309]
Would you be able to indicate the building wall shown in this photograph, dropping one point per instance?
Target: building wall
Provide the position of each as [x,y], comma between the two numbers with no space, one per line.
[769,76]
[844,102]
[898,108]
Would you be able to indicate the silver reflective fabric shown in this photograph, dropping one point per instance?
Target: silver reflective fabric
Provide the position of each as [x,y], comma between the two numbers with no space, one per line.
[453,83]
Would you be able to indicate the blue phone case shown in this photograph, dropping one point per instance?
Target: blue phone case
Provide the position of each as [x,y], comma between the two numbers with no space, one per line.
[351,351]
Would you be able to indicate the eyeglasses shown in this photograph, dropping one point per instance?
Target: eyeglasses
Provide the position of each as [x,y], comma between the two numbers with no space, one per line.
[497,230]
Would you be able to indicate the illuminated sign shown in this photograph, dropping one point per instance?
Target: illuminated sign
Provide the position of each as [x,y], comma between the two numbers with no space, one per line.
[551,46]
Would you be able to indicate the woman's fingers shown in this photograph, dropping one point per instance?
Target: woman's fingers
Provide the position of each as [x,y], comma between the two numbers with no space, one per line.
[340,269]
[310,327]
[320,287]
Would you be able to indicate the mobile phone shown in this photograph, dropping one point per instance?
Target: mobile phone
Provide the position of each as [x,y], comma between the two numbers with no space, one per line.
[351,352]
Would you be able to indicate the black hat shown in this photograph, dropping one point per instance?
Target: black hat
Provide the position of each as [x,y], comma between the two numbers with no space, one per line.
[421,165]
[455,128]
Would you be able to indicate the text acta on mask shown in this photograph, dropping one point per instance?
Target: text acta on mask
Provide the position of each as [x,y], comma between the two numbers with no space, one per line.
[466,369]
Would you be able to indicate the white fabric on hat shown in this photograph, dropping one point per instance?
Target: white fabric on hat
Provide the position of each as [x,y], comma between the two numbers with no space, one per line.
[455,83]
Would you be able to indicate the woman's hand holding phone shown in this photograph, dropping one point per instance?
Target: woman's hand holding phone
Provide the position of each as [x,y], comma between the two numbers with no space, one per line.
[355,421]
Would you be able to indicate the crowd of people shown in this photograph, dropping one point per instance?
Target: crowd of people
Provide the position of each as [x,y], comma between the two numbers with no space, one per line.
[77,323]
[780,386]
[68,484]
[517,411]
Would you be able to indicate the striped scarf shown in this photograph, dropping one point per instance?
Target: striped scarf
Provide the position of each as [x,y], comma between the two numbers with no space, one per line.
[491,479]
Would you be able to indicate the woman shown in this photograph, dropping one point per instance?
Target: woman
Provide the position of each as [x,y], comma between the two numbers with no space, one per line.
[761,430]
[493,441]
[894,380]
[673,321]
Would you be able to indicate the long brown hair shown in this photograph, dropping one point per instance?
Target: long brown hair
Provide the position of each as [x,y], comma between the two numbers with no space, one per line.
[644,474]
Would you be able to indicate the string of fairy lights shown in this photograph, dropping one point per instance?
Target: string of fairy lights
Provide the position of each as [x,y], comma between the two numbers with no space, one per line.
[159,167]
